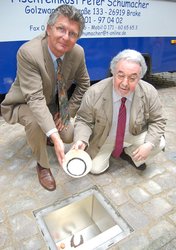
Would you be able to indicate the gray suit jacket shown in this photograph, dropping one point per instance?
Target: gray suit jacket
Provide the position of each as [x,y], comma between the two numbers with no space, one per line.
[35,82]
[94,118]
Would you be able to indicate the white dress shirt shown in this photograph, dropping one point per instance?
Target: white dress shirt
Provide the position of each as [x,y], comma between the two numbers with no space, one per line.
[116,106]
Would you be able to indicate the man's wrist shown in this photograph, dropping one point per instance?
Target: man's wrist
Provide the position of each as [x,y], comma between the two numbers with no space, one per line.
[151,144]
[55,136]
[50,132]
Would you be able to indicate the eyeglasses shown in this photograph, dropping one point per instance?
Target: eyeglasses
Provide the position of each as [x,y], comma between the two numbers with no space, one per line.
[131,78]
[63,31]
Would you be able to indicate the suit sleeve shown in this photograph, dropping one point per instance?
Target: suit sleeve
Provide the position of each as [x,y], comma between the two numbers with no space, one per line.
[32,88]
[85,119]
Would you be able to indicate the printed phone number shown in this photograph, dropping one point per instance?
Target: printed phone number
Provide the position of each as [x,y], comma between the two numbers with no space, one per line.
[107,20]
[112,27]
[101,20]
[116,12]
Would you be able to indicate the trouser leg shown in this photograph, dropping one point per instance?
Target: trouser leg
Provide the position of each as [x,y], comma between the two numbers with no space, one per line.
[35,136]
[133,142]
[67,133]
[101,161]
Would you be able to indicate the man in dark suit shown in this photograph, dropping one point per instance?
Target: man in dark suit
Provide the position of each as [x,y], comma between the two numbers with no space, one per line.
[31,99]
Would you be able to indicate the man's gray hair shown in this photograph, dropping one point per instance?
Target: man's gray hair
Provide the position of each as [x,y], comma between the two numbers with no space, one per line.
[130,56]
[68,11]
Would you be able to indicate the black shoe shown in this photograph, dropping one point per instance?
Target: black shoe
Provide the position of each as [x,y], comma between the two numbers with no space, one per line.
[127,158]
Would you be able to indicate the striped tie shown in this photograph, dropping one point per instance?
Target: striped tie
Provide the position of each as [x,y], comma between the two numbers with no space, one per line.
[62,95]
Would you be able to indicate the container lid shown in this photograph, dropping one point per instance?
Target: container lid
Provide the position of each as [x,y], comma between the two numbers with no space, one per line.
[78,163]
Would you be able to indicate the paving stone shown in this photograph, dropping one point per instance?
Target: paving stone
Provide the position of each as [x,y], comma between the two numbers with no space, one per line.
[117,167]
[7,153]
[159,160]
[170,246]
[18,181]
[170,166]
[135,217]
[4,236]
[20,205]
[117,195]
[139,195]
[103,179]
[15,166]
[23,227]
[25,152]
[18,143]
[173,217]
[157,207]
[132,180]
[2,163]
[47,198]
[62,177]
[161,228]
[9,248]
[171,196]
[152,171]
[163,242]
[1,216]
[138,242]
[172,156]
[12,195]
[166,181]
[152,187]
[126,180]
[5,179]
[78,184]
[13,147]
[32,244]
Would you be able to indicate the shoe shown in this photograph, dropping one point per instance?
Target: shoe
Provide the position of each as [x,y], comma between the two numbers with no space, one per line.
[127,158]
[49,142]
[45,178]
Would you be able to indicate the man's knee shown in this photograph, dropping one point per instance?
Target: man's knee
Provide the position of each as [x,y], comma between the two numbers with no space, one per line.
[27,119]
[67,134]
[99,168]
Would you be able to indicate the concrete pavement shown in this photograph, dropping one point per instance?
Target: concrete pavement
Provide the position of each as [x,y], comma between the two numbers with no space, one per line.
[147,199]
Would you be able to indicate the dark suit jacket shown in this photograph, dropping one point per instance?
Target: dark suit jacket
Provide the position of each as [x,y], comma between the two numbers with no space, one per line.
[36,80]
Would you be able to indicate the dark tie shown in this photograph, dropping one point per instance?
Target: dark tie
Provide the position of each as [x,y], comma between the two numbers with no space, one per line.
[120,129]
[62,95]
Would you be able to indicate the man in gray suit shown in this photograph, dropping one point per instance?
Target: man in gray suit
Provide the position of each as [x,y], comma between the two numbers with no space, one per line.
[31,99]
[96,121]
